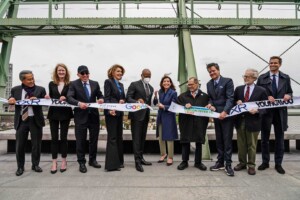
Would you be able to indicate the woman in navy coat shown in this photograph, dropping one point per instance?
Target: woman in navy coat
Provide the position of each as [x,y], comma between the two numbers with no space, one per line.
[166,128]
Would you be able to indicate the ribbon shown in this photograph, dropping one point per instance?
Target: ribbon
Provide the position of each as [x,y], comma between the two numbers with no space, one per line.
[129,107]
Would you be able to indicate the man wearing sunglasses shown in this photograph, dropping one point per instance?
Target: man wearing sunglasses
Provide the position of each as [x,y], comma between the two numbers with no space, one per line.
[81,92]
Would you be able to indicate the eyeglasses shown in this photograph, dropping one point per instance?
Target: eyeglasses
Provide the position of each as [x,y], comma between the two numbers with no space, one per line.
[84,72]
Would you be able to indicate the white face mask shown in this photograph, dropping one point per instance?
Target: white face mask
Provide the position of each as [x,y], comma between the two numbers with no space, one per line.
[146,80]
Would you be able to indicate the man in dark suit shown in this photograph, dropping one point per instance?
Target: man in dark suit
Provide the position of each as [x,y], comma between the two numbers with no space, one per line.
[278,86]
[140,91]
[220,91]
[28,118]
[248,124]
[81,92]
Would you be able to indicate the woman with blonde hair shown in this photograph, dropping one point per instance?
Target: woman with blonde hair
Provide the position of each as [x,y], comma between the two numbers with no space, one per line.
[114,93]
[59,117]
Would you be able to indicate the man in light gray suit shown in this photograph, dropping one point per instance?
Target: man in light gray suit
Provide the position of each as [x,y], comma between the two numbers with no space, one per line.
[28,119]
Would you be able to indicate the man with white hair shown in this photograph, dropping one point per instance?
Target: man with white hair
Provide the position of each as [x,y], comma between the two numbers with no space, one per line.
[248,124]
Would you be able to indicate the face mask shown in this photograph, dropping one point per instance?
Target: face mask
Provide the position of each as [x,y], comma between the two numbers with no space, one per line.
[146,80]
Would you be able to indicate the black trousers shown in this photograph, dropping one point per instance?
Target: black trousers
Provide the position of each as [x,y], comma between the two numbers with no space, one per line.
[224,133]
[139,131]
[55,125]
[92,125]
[267,121]
[114,148]
[186,152]
[36,134]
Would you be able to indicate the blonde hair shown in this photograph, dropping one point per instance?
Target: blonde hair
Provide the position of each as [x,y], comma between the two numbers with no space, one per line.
[113,68]
[55,77]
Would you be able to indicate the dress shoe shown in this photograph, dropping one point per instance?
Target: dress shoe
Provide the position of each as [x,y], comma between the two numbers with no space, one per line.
[279,169]
[263,166]
[239,167]
[144,162]
[94,164]
[200,166]
[19,171]
[82,168]
[251,171]
[229,171]
[217,166]
[139,167]
[163,158]
[170,162]
[182,165]
[36,168]
[122,166]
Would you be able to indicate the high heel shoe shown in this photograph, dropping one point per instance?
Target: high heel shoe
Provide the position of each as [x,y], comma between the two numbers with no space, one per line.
[55,170]
[162,159]
[170,162]
[64,161]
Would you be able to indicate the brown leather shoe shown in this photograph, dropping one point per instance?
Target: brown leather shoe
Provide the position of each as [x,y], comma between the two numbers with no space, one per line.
[251,171]
[239,167]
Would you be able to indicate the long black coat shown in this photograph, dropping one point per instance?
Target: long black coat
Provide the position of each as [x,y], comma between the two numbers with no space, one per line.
[192,128]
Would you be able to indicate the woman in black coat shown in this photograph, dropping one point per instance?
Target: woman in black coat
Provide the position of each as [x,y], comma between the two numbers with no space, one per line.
[114,93]
[59,117]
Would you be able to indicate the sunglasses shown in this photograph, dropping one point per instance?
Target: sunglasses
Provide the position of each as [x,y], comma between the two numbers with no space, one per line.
[84,72]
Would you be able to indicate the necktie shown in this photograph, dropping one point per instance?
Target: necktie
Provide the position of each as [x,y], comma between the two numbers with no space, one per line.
[25,110]
[147,90]
[247,94]
[274,86]
[86,90]
[216,85]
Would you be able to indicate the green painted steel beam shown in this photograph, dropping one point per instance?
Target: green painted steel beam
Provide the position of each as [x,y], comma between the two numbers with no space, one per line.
[4,5]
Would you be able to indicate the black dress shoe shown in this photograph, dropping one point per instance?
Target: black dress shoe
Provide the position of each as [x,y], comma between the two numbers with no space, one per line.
[279,169]
[263,166]
[122,166]
[82,168]
[19,171]
[182,165]
[36,168]
[94,164]
[200,166]
[229,171]
[144,162]
[139,167]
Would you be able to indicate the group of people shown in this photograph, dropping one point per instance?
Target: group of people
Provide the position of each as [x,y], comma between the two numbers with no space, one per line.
[220,97]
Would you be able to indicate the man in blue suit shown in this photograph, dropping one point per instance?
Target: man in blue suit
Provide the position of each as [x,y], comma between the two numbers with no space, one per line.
[278,86]
[220,91]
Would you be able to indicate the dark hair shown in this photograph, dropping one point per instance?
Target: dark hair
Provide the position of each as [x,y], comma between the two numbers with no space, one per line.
[278,58]
[113,68]
[213,65]
[162,80]
[23,73]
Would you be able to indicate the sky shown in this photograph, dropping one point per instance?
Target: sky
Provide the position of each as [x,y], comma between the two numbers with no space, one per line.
[158,53]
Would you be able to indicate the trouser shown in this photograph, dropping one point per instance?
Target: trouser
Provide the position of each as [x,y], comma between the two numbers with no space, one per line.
[36,133]
[186,152]
[247,142]
[139,131]
[55,125]
[224,133]
[162,144]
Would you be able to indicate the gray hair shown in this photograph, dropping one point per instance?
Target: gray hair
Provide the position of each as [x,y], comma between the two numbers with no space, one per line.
[23,73]
[254,72]
[194,79]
